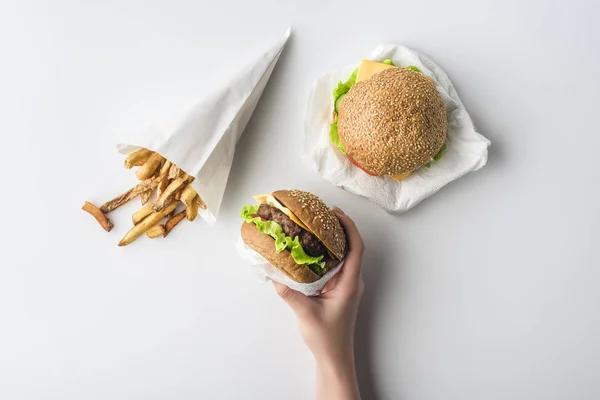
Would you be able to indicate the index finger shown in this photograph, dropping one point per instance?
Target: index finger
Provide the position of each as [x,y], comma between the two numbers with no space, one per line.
[355,242]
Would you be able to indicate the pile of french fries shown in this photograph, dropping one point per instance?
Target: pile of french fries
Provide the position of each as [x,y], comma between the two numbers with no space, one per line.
[173,187]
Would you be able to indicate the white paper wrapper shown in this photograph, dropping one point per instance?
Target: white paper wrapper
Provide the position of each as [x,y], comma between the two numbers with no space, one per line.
[202,141]
[265,271]
[466,151]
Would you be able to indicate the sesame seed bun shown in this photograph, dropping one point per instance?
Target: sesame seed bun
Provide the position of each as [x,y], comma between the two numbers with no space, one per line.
[393,122]
[317,217]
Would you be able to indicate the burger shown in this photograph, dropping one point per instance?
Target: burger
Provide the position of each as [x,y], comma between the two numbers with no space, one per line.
[296,232]
[389,120]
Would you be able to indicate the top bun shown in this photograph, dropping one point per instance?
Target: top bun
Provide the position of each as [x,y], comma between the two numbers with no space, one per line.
[393,123]
[317,217]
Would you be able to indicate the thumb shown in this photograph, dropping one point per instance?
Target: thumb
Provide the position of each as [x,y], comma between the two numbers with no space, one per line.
[296,300]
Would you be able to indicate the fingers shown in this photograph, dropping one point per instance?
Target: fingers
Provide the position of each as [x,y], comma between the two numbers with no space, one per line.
[296,300]
[330,285]
[355,241]
[350,277]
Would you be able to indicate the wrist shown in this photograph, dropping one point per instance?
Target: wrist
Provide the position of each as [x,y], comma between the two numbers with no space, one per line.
[333,361]
[336,377]
[336,366]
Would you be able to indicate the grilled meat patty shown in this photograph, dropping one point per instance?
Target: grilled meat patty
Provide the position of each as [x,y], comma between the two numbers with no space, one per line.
[311,245]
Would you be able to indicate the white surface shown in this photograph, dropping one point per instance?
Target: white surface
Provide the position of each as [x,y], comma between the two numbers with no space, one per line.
[487,290]
[467,150]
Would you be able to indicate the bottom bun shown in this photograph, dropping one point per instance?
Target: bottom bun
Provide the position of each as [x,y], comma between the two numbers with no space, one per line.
[265,246]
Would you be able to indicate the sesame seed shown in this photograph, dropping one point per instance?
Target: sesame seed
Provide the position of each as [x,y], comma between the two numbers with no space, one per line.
[394,122]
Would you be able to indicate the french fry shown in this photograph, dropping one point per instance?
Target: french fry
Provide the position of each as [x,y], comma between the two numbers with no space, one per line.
[188,194]
[191,212]
[149,167]
[128,195]
[200,202]
[137,158]
[174,172]
[157,230]
[99,215]
[173,221]
[191,207]
[148,222]
[163,177]
[174,187]
[142,213]
[145,196]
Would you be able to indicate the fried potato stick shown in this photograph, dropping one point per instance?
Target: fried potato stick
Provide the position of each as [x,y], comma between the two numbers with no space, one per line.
[174,172]
[128,195]
[157,230]
[142,213]
[188,194]
[174,187]
[148,222]
[200,202]
[137,158]
[173,221]
[99,215]
[149,167]
[191,207]
[145,196]
[163,177]
[191,212]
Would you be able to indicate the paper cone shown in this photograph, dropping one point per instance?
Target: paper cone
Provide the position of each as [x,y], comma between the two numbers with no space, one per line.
[202,142]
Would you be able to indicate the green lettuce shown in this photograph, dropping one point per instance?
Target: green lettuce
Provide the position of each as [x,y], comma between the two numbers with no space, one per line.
[344,87]
[283,242]
[335,137]
[413,68]
[388,61]
[438,156]
[338,95]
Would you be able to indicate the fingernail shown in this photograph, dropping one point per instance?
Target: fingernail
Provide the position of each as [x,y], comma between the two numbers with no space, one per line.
[338,210]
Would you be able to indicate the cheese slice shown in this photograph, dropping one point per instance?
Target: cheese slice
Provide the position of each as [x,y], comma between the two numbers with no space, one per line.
[369,68]
[261,198]
[401,177]
[272,201]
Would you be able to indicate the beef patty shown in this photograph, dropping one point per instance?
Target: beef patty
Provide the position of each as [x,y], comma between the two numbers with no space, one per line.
[311,245]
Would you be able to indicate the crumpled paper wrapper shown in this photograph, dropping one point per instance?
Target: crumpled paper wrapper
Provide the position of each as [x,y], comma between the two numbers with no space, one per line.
[265,271]
[202,141]
[467,150]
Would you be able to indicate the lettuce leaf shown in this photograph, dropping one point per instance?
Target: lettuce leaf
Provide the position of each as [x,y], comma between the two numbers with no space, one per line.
[388,61]
[283,242]
[438,156]
[338,95]
[338,103]
[344,87]
[413,68]
[335,138]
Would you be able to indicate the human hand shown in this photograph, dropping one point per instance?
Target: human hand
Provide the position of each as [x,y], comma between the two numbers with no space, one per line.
[327,321]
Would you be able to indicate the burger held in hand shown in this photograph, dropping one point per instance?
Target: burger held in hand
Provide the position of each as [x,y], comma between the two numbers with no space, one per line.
[389,120]
[296,232]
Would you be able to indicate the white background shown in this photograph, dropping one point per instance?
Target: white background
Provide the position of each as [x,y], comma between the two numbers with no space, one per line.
[487,290]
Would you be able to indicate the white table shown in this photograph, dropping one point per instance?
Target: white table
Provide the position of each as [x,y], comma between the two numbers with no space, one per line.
[488,290]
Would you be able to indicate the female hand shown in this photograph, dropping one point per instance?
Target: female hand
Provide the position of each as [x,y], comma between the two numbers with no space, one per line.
[327,321]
